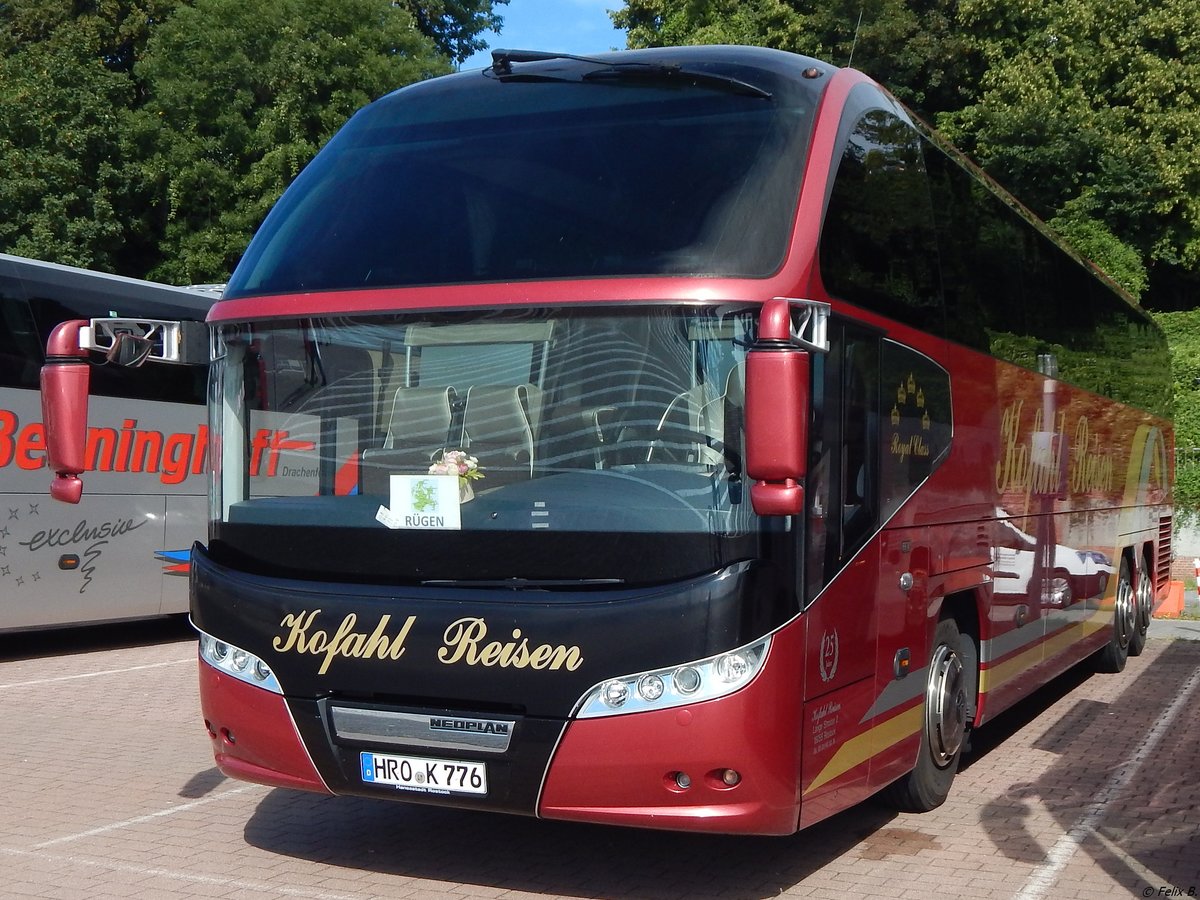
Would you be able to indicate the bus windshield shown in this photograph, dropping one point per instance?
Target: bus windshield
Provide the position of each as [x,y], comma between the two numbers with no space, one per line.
[578,445]
[550,173]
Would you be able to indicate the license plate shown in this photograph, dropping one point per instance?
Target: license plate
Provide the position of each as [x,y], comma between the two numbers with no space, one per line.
[424,775]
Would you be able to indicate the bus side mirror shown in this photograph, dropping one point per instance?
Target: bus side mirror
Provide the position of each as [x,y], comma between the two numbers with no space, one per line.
[65,380]
[777,391]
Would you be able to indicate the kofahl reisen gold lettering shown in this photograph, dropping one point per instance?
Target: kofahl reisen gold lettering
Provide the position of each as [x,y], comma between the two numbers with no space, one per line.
[345,642]
[464,642]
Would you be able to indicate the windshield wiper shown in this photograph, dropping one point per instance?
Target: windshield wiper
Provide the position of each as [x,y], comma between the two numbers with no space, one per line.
[649,73]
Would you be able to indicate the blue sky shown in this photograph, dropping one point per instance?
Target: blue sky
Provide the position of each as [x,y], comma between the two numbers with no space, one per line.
[571,26]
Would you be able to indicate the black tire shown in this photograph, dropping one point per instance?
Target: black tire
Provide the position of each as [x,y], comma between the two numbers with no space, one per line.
[1111,657]
[944,734]
[1143,599]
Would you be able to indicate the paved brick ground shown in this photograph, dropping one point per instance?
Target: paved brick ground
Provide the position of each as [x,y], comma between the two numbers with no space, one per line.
[107,790]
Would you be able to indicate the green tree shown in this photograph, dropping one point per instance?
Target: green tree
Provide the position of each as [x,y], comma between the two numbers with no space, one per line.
[63,153]
[1089,110]
[138,144]
[244,94]
[1183,335]
[456,26]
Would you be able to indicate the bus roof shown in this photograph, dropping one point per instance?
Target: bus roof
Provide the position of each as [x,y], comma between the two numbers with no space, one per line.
[23,277]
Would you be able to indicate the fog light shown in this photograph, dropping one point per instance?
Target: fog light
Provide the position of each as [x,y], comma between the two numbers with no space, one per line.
[731,777]
[683,780]
[261,672]
[615,693]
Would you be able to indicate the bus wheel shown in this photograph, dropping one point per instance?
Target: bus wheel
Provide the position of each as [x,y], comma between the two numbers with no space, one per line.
[1143,597]
[1111,658]
[944,735]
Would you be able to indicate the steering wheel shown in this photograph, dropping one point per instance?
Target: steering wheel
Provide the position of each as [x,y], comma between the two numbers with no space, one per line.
[731,459]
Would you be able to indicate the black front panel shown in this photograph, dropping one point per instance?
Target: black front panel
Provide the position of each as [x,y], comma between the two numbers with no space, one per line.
[526,652]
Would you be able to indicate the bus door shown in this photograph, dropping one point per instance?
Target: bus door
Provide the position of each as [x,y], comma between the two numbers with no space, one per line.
[841,571]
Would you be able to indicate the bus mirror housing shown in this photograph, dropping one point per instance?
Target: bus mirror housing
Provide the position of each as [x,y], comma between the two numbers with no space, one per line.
[777,404]
[65,380]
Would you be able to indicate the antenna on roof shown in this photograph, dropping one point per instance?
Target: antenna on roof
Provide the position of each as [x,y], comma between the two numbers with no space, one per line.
[854,43]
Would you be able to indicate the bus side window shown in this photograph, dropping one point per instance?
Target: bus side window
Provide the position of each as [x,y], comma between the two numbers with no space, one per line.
[859,440]
[20,344]
[843,479]
[915,430]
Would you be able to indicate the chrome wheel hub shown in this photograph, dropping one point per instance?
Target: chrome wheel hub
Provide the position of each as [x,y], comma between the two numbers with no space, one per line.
[945,706]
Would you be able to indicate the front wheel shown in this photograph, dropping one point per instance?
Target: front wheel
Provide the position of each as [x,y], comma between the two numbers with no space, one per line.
[927,786]
[1111,658]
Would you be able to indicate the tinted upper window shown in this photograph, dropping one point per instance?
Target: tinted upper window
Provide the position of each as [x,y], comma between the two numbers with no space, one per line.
[1012,291]
[878,246]
[548,174]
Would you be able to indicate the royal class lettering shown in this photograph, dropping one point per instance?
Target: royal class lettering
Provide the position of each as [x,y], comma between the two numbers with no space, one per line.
[915,446]
[464,641]
[301,637]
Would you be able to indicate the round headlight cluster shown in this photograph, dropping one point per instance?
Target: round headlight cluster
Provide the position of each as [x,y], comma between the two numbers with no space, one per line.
[704,679]
[238,663]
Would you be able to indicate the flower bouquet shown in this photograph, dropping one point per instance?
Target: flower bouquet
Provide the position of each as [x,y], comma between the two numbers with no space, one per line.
[460,463]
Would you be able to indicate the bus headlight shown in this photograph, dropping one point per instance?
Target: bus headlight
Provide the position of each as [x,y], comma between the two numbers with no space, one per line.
[704,679]
[237,663]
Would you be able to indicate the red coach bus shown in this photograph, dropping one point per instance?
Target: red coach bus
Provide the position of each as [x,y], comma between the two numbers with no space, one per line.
[681,438]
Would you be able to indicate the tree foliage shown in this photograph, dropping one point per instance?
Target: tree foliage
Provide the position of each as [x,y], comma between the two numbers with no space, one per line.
[67,192]
[1090,110]
[456,25]
[149,137]
[244,95]
[1183,335]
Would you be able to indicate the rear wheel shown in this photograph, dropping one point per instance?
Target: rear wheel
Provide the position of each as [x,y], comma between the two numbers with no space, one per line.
[944,734]
[1111,658]
[1143,596]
